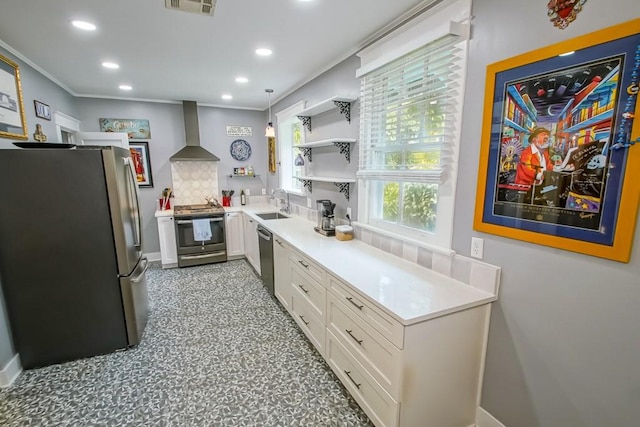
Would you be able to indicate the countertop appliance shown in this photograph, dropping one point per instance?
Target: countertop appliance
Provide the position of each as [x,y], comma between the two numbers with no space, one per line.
[198,252]
[326,220]
[71,264]
[265,245]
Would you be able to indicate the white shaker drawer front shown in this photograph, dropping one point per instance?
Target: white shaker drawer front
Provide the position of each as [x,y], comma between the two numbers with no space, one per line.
[378,355]
[313,269]
[309,289]
[388,327]
[310,324]
[377,403]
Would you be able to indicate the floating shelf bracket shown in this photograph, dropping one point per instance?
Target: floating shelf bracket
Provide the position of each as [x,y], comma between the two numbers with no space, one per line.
[306,151]
[345,148]
[307,184]
[306,122]
[343,187]
[345,109]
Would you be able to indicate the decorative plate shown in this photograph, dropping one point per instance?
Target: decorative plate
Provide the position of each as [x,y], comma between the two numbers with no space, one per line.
[240,150]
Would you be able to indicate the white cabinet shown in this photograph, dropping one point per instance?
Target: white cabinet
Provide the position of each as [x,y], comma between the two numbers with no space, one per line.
[251,249]
[167,237]
[402,375]
[234,234]
[281,272]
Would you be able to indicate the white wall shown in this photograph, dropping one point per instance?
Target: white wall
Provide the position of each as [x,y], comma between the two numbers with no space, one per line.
[564,342]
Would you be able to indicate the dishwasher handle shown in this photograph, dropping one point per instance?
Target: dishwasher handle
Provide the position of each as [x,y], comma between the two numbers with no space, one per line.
[261,234]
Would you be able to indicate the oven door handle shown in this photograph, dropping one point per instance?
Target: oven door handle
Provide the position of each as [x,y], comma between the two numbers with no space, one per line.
[202,256]
[188,221]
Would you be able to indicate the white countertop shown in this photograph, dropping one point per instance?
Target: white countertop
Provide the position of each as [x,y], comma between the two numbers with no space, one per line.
[408,292]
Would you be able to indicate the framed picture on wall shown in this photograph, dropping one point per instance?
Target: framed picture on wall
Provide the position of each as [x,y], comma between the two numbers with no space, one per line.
[13,123]
[42,110]
[142,163]
[557,165]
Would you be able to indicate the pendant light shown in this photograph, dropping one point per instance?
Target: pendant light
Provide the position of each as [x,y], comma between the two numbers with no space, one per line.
[270,131]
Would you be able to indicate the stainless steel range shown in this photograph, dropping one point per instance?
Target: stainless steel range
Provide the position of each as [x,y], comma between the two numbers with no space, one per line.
[200,235]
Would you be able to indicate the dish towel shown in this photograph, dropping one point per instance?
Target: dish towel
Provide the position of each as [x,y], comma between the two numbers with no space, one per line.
[201,230]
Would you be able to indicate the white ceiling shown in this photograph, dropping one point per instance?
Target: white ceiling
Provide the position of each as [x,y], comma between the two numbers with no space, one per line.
[169,55]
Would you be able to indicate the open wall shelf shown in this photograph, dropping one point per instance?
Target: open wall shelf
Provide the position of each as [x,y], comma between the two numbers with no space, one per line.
[343,144]
[343,184]
[344,104]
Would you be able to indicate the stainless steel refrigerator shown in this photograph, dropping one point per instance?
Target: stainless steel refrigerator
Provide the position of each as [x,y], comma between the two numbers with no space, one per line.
[71,264]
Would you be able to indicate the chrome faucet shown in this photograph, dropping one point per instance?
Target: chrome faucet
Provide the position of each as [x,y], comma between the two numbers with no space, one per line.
[287,207]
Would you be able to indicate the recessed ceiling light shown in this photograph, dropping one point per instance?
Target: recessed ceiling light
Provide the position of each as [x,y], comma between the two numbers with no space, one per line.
[242,79]
[125,87]
[567,53]
[227,96]
[263,52]
[83,25]
[111,65]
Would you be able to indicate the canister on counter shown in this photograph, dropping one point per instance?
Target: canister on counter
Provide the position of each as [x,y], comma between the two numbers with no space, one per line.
[344,232]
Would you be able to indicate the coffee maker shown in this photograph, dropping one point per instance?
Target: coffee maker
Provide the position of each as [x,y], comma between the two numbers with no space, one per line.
[326,220]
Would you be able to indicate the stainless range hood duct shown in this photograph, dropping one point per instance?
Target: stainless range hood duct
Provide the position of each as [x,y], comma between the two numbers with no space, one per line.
[193,151]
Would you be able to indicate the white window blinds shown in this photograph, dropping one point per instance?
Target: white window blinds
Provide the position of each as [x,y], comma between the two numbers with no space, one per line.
[409,110]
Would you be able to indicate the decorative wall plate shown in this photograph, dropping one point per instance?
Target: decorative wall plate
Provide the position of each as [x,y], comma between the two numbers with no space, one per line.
[240,150]
[564,12]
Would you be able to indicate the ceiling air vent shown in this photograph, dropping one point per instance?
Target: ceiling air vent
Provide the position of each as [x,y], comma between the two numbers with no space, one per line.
[201,7]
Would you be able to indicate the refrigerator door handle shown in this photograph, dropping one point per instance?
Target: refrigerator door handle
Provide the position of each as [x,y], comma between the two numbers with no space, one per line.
[134,183]
[144,270]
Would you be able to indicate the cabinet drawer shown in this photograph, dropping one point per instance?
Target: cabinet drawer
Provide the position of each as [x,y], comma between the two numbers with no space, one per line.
[310,324]
[376,403]
[388,327]
[313,269]
[378,355]
[308,289]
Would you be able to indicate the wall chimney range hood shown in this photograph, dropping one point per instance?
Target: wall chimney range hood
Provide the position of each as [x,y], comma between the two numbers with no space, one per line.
[192,151]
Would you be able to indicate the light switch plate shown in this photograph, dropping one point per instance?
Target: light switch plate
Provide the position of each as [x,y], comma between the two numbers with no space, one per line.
[247,192]
[264,191]
[309,202]
[349,212]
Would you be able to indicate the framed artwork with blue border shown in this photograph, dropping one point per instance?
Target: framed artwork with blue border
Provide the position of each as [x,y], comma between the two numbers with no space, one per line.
[558,164]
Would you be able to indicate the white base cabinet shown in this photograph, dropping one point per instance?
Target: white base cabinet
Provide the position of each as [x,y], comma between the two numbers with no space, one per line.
[426,374]
[251,248]
[167,237]
[234,234]
[281,272]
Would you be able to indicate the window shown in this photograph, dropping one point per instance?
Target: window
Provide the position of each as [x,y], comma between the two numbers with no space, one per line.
[290,134]
[410,111]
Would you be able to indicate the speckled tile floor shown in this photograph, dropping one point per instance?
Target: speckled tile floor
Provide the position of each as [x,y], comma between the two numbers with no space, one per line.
[217,351]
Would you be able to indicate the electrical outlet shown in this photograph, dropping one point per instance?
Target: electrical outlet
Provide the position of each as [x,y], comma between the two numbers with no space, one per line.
[309,202]
[349,212]
[264,191]
[247,192]
[477,247]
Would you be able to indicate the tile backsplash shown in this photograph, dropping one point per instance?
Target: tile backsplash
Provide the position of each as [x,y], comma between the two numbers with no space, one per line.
[193,180]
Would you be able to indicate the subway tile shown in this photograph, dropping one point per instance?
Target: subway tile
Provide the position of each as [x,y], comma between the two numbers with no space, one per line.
[485,277]
[410,252]
[442,263]
[461,269]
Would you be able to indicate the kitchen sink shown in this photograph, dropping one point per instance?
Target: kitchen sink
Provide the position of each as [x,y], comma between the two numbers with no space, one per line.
[271,215]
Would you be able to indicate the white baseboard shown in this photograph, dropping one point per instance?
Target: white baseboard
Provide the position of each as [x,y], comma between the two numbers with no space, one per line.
[485,419]
[10,372]
[153,256]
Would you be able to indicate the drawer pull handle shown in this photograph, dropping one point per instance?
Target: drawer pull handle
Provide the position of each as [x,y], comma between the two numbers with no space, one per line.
[306,291]
[303,264]
[304,321]
[354,383]
[360,307]
[352,336]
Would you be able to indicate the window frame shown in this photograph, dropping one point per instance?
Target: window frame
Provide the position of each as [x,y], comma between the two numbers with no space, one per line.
[446,19]
[286,153]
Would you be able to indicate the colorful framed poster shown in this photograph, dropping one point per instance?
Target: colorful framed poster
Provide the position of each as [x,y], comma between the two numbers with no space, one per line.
[141,163]
[135,128]
[13,123]
[557,165]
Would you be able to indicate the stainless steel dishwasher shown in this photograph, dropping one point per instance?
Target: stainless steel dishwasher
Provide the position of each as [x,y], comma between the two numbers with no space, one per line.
[265,243]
